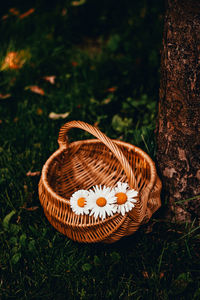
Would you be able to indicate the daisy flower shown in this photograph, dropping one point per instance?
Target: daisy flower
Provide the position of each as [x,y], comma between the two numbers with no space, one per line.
[125,198]
[101,201]
[78,202]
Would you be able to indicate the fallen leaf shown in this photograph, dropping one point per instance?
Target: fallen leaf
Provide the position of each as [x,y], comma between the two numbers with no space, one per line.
[4,17]
[5,96]
[78,3]
[27,13]
[39,111]
[74,63]
[50,79]
[64,12]
[56,116]
[145,274]
[36,89]
[18,219]
[162,275]
[106,101]
[30,208]
[13,60]
[29,173]
[96,124]
[14,11]
[111,89]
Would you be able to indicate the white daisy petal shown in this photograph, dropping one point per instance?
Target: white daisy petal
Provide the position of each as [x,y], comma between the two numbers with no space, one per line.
[132,193]
[78,202]
[101,201]
[122,185]
[115,208]
[133,201]
[125,198]
[129,206]
[123,210]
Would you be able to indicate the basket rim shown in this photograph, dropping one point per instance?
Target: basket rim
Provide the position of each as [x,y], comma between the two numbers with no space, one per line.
[121,143]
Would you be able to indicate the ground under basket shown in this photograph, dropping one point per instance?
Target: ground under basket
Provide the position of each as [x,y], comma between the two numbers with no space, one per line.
[101,161]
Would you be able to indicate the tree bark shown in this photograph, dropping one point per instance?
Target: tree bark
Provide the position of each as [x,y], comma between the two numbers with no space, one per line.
[178,126]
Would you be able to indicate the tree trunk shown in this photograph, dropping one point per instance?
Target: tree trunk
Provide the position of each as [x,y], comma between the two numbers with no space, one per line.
[178,126]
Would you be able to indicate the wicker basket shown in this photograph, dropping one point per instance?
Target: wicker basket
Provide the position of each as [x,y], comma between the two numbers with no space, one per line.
[101,161]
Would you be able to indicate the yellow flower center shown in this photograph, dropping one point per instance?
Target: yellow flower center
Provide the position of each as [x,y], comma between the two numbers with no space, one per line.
[81,202]
[101,201]
[121,198]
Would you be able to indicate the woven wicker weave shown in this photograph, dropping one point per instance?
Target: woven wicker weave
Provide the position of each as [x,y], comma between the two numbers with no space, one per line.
[101,161]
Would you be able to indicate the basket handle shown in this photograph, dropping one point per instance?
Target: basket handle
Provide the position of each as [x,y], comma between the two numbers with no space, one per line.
[63,142]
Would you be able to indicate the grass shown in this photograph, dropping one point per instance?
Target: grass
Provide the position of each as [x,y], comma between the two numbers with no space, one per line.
[105,58]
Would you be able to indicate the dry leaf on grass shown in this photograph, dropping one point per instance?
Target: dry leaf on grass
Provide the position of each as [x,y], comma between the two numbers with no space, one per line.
[96,124]
[27,13]
[30,208]
[55,116]
[111,89]
[13,60]
[162,275]
[5,96]
[14,11]
[29,173]
[39,111]
[4,17]
[106,101]
[74,63]
[63,12]
[35,89]
[145,274]
[78,3]
[50,79]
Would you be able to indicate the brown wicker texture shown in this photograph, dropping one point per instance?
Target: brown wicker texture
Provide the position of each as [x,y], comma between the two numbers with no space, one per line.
[101,161]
